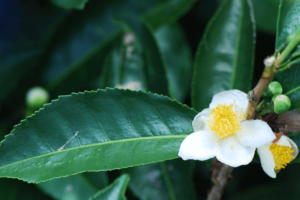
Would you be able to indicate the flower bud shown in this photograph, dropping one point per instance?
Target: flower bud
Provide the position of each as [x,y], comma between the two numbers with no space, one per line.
[281,103]
[273,88]
[36,97]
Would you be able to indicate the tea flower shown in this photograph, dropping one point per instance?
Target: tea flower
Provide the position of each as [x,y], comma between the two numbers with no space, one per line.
[222,131]
[275,156]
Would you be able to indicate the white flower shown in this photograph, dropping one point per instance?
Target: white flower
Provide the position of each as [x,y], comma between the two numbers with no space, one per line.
[275,156]
[222,131]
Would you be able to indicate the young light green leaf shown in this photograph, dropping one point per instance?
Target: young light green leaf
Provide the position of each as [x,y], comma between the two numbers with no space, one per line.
[175,49]
[95,131]
[115,191]
[165,180]
[70,4]
[224,58]
[81,186]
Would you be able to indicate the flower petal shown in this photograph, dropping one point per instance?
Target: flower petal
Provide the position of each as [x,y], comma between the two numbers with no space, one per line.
[267,160]
[293,146]
[255,133]
[198,123]
[200,145]
[231,96]
[233,153]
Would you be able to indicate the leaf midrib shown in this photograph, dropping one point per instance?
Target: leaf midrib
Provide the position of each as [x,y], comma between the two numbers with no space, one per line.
[99,144]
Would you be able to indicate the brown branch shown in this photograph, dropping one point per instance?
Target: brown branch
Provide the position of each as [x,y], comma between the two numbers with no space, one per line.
[219,177]
[220,171]
[255,94]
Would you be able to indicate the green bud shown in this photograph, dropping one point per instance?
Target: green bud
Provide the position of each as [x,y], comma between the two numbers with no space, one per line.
[36,97]
[281,103]
[273,88]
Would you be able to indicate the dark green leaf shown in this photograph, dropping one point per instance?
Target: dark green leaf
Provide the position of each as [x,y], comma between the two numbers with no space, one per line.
[288,21]
[124,65]
[93,131]
[289,79]
[80,186]
[165,180]
[69,4]
[78,39]
[15,189]
[115,191]
[266,12]
[224,58]
[174,47]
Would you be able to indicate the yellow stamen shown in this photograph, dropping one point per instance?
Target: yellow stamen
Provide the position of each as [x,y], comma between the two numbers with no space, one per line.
[282,155]
[224,120]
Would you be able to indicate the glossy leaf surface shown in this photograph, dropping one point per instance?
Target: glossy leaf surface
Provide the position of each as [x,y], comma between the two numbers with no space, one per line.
[80,186]
[115,191]
[93,131]
[289,79]
[177,53]
[165,180]
[224,58]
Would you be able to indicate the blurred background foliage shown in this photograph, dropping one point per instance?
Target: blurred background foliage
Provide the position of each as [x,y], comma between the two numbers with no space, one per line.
[70,46]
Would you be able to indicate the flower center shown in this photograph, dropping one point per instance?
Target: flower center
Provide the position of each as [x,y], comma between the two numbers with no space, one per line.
[282,155]
[224,120]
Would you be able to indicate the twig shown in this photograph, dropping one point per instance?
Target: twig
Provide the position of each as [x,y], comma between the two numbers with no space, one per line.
[219,177]
[220,171]
[255,94]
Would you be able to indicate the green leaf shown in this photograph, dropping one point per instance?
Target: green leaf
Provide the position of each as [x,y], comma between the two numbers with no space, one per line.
[289,79]
[155,67]
[266,21]
[80,186]
[68,52]
[224,59]
[16,189]
[168,12]
[288,20]
[165,180]
[175,49]
[70,4]
[94,131]
[115,191]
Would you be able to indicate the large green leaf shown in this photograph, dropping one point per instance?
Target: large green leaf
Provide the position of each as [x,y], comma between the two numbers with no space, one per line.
[288,24]
[155,67]
[69,4]
[288,20]
[92,131]
[265,12]
[16,189]
[175,49]
[81,186]
[224,59]
[116,191]
[165,180]
[81,33]
[124,65]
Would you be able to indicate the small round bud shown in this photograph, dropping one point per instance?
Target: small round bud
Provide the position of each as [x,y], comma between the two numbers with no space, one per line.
[273,88]
[281,103]
[36,97]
